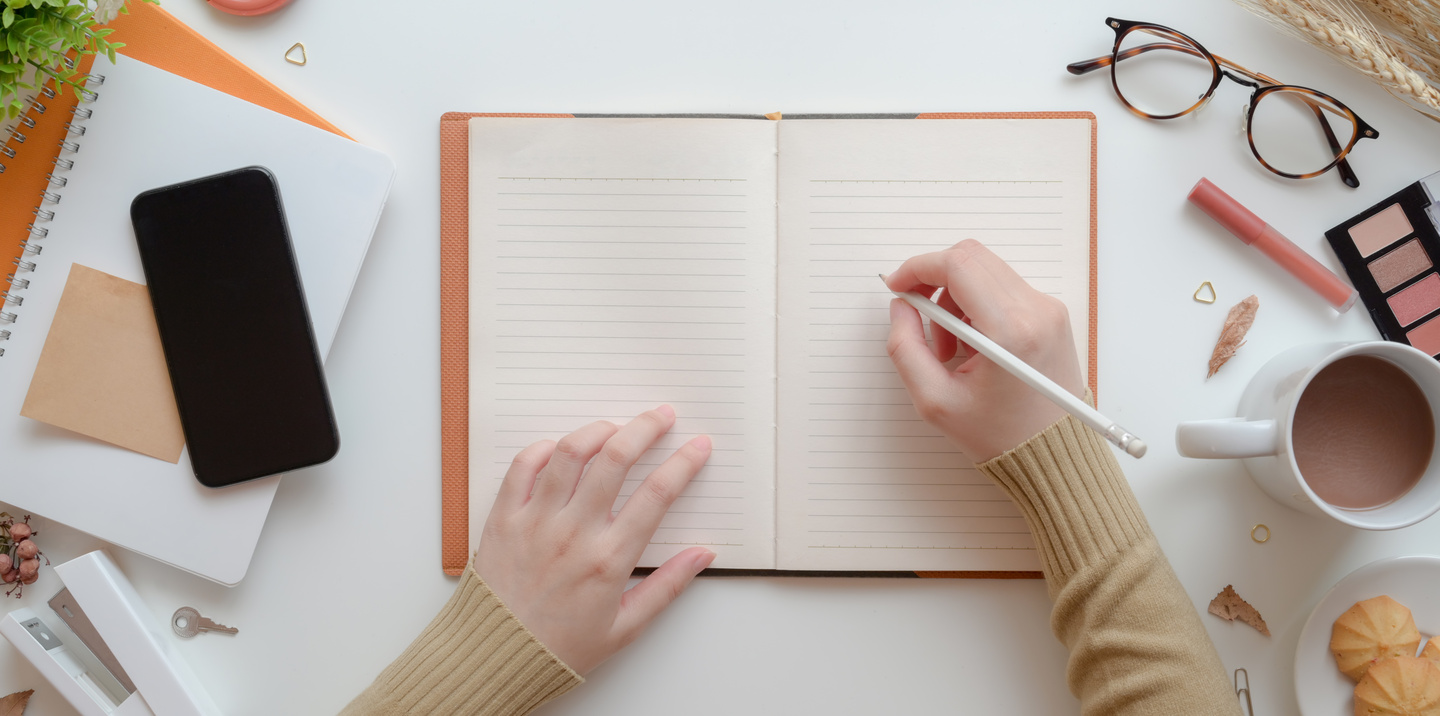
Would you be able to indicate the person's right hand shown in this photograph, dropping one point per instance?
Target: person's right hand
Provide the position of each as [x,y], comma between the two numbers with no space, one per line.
[978,404]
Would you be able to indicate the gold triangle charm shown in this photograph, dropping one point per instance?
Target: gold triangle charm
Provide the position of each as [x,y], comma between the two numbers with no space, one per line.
[1205,287]
[303,59]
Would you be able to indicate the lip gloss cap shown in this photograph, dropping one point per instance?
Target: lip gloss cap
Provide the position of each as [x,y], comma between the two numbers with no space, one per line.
[1236,219]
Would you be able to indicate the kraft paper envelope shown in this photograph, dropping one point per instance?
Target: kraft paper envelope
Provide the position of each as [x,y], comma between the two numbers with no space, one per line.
[102,372]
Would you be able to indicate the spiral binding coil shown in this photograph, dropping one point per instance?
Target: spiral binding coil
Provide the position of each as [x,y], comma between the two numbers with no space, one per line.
[26,120]
[12,300]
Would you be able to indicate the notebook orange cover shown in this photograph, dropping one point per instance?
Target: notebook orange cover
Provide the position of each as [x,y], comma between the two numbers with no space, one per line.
[455,329]
[154,37]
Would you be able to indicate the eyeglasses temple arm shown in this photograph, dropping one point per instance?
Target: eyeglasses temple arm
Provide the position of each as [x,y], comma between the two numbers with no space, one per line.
[1084,67]
[1347,174]
[1088,66]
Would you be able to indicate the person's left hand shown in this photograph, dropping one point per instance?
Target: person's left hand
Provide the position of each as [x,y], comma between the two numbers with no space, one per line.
[554,553]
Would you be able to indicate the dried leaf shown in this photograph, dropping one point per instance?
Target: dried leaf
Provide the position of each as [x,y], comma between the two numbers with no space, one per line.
[1232,336]
[14,704]
[1229,606]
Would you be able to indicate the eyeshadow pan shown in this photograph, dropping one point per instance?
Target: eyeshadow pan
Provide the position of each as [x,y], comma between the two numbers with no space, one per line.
[1380,230]
[1426,336]
[1414,302]
[1399,265]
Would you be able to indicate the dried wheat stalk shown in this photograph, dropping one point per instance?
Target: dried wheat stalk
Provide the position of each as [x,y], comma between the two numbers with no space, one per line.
[1394,42]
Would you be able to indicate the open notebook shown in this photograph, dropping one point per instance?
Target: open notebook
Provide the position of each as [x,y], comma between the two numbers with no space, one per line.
[729,267]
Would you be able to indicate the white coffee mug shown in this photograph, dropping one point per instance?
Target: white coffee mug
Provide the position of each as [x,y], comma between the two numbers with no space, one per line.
[1262,433]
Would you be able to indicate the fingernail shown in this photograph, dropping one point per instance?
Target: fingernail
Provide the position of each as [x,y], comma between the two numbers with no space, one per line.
[896,309]
[704,559]
[702,442]
[666,410]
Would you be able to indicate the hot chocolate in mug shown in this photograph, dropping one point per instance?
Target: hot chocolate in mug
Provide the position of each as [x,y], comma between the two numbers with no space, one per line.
[1346,430]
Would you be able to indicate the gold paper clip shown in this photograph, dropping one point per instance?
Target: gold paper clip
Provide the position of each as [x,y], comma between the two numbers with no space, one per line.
[303,57]
[1243,692]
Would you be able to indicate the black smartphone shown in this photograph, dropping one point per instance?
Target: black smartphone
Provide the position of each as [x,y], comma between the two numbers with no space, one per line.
[234,326]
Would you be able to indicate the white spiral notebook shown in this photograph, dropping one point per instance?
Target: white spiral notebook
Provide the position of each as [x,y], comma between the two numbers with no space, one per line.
[147,128]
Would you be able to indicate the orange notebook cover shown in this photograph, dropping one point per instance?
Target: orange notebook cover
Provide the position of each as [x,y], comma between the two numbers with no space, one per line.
[455,331]
[154,37]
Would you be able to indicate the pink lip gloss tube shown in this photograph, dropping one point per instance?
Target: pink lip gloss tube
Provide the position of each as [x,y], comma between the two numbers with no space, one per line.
[1249,228]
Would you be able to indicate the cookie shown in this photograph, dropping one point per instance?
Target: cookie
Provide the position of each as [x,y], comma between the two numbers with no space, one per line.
[1372,630]
[1399,686]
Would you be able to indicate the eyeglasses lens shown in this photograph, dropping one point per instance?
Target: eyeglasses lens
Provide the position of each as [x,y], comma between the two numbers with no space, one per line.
[1289,131]
[1161,74]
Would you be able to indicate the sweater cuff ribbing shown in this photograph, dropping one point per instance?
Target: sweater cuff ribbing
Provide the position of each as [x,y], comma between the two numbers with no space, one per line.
[475,657]
[1073,495]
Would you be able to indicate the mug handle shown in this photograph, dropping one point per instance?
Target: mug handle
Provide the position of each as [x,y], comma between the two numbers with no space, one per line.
[1227,438]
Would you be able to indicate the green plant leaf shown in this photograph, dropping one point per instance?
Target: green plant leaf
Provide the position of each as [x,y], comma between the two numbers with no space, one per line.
[41,34]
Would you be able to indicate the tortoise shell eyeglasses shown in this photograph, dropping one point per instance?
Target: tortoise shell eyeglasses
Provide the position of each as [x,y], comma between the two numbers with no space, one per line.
[1293,131]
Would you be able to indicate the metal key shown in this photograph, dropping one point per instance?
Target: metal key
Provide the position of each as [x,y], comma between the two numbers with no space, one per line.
[187,622]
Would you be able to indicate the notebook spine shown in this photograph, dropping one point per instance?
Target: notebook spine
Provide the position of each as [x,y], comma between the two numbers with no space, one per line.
[12,300]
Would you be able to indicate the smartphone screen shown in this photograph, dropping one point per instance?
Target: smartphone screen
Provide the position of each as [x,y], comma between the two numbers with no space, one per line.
[234,326]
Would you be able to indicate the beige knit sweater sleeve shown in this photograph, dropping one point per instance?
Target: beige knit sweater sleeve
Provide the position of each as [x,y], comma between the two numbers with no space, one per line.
[475,658]
[1136,643]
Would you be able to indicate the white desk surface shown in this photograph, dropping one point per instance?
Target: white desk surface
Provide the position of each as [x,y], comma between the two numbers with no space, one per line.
[347,571]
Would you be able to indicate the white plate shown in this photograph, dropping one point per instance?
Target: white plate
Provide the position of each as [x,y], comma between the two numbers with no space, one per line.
[1414,581]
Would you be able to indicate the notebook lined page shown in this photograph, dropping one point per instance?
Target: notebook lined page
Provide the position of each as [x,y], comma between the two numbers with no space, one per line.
[863,482]
[615,265]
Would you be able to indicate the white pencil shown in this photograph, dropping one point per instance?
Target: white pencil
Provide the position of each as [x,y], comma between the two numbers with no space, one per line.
[1018,368]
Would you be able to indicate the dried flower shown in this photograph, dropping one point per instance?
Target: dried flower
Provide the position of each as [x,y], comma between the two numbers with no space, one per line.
[106,10]
[19,555]
[1232,336]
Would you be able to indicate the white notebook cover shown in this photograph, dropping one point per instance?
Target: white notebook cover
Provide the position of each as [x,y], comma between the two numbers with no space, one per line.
[150,129]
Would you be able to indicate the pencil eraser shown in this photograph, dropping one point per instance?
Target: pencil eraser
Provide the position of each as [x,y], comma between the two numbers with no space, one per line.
[1136,447]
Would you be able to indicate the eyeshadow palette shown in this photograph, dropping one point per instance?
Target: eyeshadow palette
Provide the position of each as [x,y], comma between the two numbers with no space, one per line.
[1390,252]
